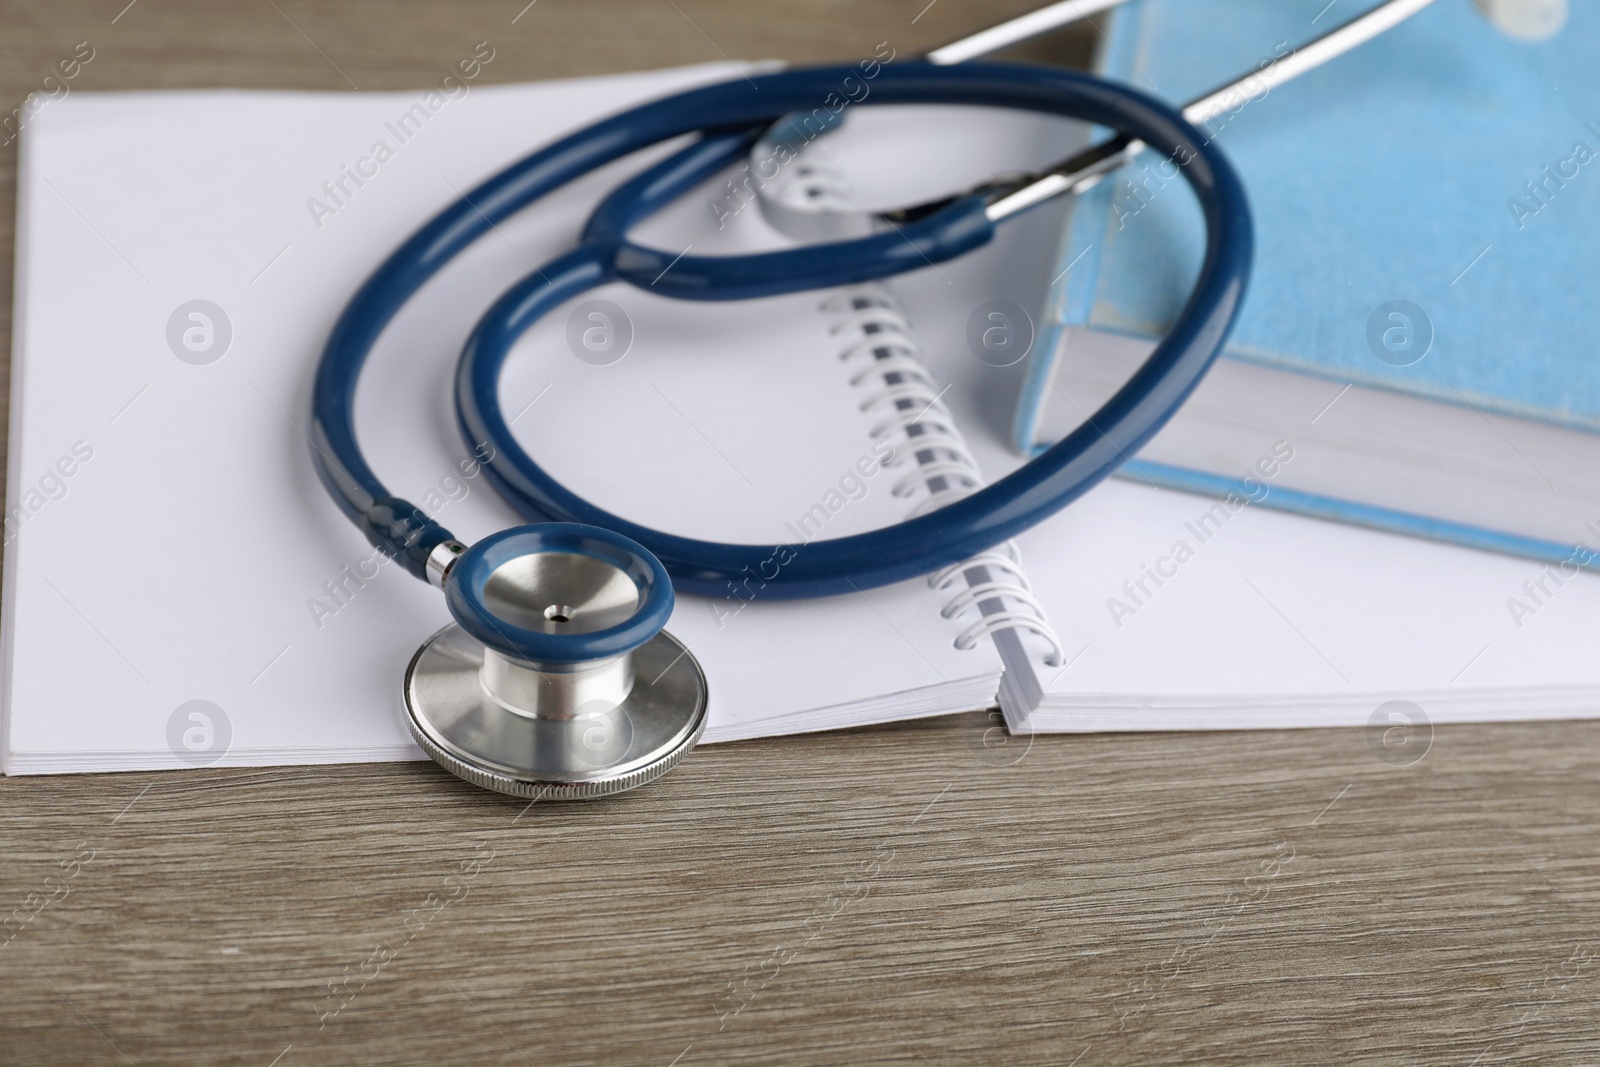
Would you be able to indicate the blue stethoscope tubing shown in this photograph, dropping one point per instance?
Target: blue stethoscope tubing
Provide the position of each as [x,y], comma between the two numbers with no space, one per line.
[731,115]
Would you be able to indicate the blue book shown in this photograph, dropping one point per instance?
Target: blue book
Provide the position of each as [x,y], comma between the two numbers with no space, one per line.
[1420,348]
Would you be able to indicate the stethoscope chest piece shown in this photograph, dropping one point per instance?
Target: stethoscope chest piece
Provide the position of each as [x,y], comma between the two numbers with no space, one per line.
[557,680]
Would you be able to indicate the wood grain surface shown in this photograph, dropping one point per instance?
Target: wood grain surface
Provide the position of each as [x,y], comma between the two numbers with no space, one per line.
[914,894]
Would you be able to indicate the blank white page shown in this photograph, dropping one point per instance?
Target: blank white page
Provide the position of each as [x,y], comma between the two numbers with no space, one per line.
[183,557]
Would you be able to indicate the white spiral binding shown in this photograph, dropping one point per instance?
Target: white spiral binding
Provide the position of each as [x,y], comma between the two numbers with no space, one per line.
[812,183]
[918,423]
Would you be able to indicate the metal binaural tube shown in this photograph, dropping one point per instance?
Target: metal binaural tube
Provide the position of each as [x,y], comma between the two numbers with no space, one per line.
[1015,31]
[1085,169]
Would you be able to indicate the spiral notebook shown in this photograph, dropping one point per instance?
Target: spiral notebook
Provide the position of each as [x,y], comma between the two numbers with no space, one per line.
[169,548]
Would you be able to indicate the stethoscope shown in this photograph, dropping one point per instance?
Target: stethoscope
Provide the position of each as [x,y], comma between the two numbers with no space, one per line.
[557,678]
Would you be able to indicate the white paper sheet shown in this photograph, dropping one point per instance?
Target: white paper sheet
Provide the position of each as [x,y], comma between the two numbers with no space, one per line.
[186,555]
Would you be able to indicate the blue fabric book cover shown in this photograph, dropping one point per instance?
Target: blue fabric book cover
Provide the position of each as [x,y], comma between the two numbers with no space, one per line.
[1426,207]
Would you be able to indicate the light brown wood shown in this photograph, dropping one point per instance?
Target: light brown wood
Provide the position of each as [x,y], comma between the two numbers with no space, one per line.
[907,894]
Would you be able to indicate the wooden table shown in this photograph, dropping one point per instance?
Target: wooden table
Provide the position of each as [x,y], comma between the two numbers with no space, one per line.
[905,894]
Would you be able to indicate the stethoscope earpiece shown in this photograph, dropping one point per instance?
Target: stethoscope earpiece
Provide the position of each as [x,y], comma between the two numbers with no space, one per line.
[1530,20]
[556,679]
